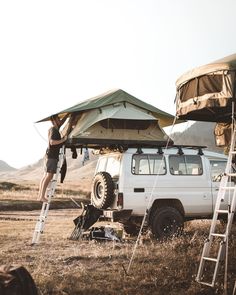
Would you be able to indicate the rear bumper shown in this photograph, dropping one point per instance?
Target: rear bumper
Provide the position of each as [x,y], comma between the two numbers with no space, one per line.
[117,215]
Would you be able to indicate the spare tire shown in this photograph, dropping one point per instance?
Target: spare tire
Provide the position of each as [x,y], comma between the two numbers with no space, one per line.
[102,193]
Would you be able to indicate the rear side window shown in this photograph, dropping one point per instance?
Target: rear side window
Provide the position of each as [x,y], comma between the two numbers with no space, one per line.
[185,165]
[110,165]
[144,164]
[217,168]
[113,166]
[102,164]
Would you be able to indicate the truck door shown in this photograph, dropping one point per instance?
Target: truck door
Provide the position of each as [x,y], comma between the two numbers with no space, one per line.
[139,183]
[190,183]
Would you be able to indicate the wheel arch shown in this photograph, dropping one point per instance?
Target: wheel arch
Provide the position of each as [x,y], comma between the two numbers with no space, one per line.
[175,203]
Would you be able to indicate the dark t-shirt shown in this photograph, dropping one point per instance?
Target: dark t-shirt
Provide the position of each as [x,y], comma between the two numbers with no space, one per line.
[53,150]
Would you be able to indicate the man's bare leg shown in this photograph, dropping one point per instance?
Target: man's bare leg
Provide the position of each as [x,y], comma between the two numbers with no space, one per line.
[43,186]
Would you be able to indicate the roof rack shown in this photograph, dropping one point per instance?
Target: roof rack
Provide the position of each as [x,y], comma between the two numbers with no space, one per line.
[194,147]
[187,146]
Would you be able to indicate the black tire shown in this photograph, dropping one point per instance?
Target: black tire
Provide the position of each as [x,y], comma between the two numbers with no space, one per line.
[22,282]
[102,194]
[166,222]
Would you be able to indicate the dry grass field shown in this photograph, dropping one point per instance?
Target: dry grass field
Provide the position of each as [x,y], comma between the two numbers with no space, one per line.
[59,265]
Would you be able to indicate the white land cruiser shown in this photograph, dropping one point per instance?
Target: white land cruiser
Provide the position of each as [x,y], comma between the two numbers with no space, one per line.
[175,185]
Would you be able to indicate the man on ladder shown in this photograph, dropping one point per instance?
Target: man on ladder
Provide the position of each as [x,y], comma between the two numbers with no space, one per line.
[53,163]
[55,142]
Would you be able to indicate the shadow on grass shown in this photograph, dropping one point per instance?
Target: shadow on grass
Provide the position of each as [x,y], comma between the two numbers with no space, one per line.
[10,186]
[29,205]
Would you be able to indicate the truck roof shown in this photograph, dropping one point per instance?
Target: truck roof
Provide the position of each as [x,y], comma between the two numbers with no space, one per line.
[180,149]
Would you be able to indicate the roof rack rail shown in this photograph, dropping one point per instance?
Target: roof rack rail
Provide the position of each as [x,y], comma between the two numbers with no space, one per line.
[187,146]
[195,147]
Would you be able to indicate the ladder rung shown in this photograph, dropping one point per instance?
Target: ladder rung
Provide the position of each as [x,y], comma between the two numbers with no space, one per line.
[222,211]
[229,187]
[218,235]
[209,259]
[205,283]
[232,152]
[42,217]
[38,231]
[231,174]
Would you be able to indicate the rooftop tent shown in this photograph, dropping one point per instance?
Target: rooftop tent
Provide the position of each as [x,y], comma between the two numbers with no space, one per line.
[116,125]
[206,93]
[115,118]
[113,97]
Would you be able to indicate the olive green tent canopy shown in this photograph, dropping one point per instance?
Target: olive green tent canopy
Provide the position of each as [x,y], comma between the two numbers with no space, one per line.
[113,97]
[123,125]
[206,93]
[114,119]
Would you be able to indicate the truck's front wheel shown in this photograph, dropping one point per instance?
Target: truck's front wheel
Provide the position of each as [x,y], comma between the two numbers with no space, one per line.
[102,190]
[166,222]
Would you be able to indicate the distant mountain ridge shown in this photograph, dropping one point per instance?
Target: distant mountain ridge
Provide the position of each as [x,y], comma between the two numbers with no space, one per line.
[200,133]
[4,167]
[78,174]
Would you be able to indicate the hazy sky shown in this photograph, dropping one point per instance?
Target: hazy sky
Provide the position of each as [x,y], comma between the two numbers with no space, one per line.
[53,54]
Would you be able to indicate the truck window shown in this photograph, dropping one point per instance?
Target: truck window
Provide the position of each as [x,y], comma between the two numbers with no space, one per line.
[109,164]
[101,164]
[113,166]
[217,168]
[185,165]
[148,164]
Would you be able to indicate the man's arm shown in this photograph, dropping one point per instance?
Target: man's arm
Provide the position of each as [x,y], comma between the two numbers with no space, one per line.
[57,141]
[52,140]
[64,118]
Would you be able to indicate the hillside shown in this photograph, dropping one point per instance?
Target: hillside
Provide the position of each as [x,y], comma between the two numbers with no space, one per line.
[200,133]
[5,167]
[77,174]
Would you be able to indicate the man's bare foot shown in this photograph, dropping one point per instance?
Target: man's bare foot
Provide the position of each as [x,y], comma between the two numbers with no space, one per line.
[43,199]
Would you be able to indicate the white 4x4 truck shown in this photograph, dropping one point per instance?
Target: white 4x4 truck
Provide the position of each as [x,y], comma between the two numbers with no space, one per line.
[173,185]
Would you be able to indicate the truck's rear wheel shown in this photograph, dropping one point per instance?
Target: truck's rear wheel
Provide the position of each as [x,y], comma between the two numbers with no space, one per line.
[102,190]
[166,222]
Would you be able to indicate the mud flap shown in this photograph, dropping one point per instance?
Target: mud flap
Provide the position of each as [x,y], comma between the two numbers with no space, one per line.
[84,221]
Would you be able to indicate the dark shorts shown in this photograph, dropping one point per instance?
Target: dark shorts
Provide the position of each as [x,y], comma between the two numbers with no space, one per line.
[50,165]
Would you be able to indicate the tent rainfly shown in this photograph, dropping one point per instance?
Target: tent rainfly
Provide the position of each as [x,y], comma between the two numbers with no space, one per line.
[115,118]
[206,93]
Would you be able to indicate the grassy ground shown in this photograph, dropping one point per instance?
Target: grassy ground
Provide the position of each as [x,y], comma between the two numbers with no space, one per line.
[17,196]
[61,266]
[29,191]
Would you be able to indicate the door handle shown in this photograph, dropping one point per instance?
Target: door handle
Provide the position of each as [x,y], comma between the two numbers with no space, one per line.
[139,190]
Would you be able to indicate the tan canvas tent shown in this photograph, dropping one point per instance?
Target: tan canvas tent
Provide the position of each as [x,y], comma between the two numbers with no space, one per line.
[206,93]
[115,118]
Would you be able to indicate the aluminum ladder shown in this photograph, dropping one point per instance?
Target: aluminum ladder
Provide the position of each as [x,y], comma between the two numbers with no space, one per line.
[215,247]
[39,227]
